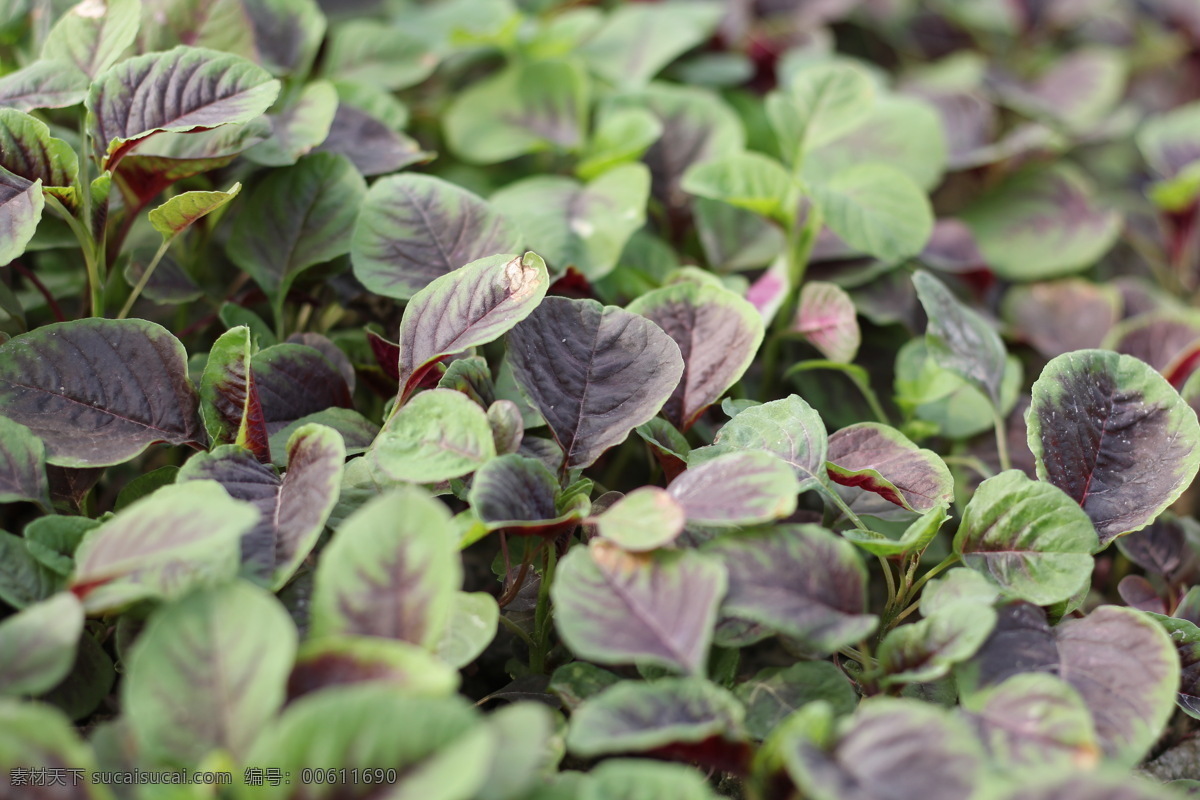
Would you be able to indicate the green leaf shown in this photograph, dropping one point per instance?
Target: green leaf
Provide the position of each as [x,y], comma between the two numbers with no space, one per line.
[471,628]
[93,36]
[72,385]
[736,488]
[800,580]
[876,209]
[577,681]
[181,211]
[28,151]
[229,401]
[614,607]
[572,225]
[299,127]
[528,751]
[415,228]
[439,434]
[22,465]
[823,103]
[435,744]
[34,733]
[1042,223]
[1034,720]
[1115,436]
[46,83]
[337,660]
[642,779]
[788,428]
[621,136]
[192,88]
[915,539]
[469,307]
[24,580]
[1027,537]
[957,586]
[223,656]
[637,41]
[718,334]
[298,217]
[215,24]
[736,239]
[391,570]
[634,717]
[52,540]
[181,535]
[364,51]
[525,108]
[959,339]
[37,644]
[746,180]
[775,692]
[20,210]
[645,519]
[925,651]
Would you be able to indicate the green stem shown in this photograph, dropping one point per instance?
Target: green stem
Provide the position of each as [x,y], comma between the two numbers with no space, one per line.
[945,564]
[891,584]
[971,462]
[141,284]
[542,617]
[841,504]
[88,245]
[1001,439]
[519,632]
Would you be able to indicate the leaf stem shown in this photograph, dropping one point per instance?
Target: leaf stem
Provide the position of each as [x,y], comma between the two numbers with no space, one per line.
[841,504]
[945,564]
[518,631]
[141,284]
[88,245]
[543,615]
[891,583]
[1001,439]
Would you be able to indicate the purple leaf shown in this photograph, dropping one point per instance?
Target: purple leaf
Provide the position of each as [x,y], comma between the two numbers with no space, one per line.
[28,151]
[373,147]
[22,465]
[961,340]
[414,228]
[1159,548]
[1169,342]
[518,494]
[294,381]
[879,459]
[229,399]
[1057,317]
[827,319]
[718,334]
[179,90]
[952,248]
[1139,593]
[799,580]
[1111,432]
[736,488]
[466,308]
[614,607]
[292,510]
[98,391]
[594,372]
[331,351]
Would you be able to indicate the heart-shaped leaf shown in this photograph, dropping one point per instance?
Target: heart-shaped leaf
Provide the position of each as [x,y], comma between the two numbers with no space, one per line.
[37,645]
[300,216]
[645,519]
[99,391]
[746,180]
[736,488]
[226,680]
[46,83]
[160,546]
[878,458]
[414,228]
[93,41]
[615,607]
[579,362]
[1115,436]
[1042,223]
[391,570]
[1027,537]
[826,317]
[634,717]
[292,510]
[440,434]
[718,334]
[1033,720]
[1122,664]
[959,339]
[229,401]
[526,107]
[22,465]
[788,428]
[20,210]
[877,210]
[889,748]
[572,225]
[799,580]
[466,308]
[180,90]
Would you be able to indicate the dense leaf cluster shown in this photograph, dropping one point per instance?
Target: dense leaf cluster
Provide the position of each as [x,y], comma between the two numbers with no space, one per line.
[534,400]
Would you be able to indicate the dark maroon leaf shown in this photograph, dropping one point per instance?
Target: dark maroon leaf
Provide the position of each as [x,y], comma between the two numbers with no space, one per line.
[180,90]
[1139,593]
[718,334]
[1112,433]
[799,580]
[594,372]
[292,510]
[294,381]
[520,495]
[373,147]
[1169,343]
[229,400]
[99,391]
[1057,317]
[1022,641]
[330,350]
[951,248]
[1159,547]
[878,458]
[387,354]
